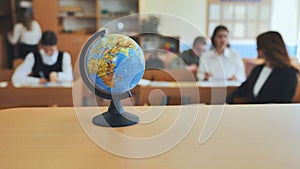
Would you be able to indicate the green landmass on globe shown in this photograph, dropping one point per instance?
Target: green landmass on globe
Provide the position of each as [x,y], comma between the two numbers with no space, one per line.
[104,67]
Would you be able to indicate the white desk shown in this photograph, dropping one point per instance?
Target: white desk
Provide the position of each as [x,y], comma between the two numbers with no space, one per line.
[248,137]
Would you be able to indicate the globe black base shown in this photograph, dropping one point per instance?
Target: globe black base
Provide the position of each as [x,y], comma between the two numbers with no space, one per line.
[109,119]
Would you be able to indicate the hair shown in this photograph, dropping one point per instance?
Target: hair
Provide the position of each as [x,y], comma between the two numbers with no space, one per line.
[26,20]
[274,49]
[216,31]
[48,38]
[199,40]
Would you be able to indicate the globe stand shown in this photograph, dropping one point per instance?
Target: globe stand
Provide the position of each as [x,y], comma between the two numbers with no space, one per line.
[115,116]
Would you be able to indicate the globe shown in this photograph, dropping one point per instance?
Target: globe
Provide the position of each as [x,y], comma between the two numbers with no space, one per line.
[111,65]
[115,63]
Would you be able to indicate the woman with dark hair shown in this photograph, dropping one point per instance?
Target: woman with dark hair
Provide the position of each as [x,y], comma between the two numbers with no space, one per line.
[47,65]
[27,34]
[221,63]
[275,81]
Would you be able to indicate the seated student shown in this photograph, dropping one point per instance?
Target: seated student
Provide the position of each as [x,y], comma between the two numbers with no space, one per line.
[47,65]
[275,81]
[190,58]
[221,63]
[153,62]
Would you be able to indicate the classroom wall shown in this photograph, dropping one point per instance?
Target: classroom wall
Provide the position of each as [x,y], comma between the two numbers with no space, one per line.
[285,19]
[192,12]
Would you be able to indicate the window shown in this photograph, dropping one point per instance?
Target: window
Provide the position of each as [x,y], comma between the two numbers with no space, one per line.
[245,19]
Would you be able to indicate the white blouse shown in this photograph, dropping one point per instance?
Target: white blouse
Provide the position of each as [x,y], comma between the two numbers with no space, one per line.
[221,67]
[262,78]
[21,75]
[22,35]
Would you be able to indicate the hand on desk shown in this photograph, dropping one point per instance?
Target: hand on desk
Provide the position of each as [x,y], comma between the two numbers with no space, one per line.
[207,75]
[43,80]
[53,77]
[233,78]
[192,67]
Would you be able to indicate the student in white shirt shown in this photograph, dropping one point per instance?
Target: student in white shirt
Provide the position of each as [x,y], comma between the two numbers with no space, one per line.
[221,63]
[47,65]
[27,34]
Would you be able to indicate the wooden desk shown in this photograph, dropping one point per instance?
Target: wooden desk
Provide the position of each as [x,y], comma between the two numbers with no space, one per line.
[177,93]
[248,137]
[154,94]
[170,75]
[31,96]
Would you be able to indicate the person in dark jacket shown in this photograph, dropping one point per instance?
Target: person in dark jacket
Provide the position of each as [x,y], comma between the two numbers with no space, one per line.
[274,81]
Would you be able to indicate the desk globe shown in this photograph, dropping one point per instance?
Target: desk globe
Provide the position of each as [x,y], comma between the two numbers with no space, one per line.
[111,65]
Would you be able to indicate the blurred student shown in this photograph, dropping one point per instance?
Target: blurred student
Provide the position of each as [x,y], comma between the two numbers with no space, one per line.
[190,58]
[275,81]
[47,65]
[221,63]
[154,62]
[27,34]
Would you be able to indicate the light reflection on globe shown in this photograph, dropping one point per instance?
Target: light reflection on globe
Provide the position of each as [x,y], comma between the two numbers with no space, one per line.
[114,63]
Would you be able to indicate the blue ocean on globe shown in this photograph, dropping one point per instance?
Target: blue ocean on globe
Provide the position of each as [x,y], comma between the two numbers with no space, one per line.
[115,63]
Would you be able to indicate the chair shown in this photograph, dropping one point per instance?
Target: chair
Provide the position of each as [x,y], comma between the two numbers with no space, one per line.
[296,98]
[6,74]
